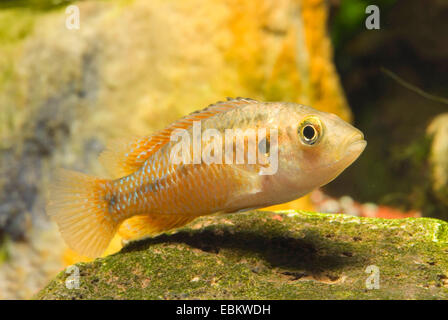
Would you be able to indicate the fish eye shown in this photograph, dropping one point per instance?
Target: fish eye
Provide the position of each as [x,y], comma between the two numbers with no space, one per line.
[310,130]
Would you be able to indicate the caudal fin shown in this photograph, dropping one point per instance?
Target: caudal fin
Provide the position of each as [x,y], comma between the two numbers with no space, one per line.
[78,206]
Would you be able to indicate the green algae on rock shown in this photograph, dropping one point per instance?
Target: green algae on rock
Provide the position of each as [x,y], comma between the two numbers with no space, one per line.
[273,255]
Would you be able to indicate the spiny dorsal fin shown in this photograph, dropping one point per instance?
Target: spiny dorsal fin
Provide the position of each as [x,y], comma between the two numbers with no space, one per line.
[123,156]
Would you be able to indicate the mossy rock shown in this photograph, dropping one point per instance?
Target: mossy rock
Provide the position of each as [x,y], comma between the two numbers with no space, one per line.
[273,255]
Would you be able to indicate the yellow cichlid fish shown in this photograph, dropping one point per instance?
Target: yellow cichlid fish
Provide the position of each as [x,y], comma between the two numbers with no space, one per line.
[232,156]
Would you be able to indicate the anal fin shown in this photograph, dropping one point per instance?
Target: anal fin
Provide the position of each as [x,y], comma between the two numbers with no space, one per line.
[144,226]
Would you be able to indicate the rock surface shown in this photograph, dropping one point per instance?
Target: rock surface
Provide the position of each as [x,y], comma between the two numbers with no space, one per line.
[266,255]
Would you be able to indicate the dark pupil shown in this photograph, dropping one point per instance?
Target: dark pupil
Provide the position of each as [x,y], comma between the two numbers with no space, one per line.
[308,132]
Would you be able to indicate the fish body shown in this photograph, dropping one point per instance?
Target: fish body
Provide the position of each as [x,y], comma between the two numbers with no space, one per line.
[232,156]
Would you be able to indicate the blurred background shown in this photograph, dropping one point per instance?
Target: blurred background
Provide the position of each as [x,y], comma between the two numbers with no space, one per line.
[132,67]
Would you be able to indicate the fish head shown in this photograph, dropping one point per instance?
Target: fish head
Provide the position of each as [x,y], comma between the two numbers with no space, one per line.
[315,147]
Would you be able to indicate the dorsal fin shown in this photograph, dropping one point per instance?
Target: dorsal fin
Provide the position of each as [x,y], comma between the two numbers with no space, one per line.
[123,156]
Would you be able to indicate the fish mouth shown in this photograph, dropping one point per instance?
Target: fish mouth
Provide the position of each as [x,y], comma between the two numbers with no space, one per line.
[353,146]
[351,149]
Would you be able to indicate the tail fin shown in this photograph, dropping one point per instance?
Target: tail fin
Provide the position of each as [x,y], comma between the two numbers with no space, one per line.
[78,207]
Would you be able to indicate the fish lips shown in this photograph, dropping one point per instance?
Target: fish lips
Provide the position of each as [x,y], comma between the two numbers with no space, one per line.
[352,152]
[356,147]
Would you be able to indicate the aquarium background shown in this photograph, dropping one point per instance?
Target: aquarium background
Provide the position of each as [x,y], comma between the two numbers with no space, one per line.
[132,67]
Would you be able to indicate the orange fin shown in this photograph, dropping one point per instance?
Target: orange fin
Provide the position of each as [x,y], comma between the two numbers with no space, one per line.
[123,157]
[143,226]
[78,206]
